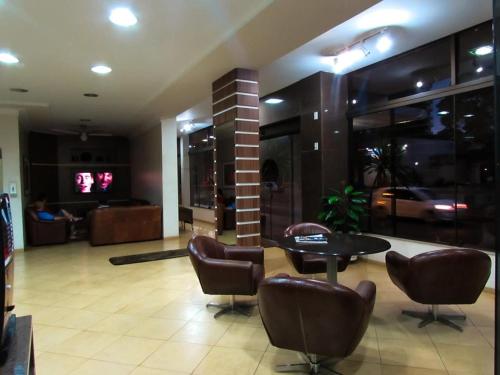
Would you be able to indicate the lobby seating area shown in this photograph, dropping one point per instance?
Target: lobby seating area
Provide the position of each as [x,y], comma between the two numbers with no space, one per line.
[151,318]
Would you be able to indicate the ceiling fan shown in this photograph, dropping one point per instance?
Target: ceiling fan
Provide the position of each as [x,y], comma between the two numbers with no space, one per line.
[84,132]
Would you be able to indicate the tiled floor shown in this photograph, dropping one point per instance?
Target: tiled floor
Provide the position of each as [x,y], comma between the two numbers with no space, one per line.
[150,319]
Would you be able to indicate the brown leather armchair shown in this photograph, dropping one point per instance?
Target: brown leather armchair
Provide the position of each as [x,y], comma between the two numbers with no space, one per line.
[227,270]
[308,263]
[441,277]
[315,317]
[40,232]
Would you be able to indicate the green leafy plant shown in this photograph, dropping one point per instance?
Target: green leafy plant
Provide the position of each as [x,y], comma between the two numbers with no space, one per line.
[342,210]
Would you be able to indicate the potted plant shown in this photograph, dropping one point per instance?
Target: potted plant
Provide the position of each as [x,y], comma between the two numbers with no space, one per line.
[342,210]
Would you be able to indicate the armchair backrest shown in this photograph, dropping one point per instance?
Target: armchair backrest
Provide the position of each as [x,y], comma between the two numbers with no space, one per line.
[313,316]
[449,276]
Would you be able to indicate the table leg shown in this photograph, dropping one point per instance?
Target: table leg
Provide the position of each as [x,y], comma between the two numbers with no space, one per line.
[331,268]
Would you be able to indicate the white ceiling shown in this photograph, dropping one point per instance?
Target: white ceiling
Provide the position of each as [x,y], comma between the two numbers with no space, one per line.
[161,66]
[165,64]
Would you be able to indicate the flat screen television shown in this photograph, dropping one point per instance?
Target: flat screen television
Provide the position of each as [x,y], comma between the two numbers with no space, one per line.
[103,181]
[87,182]
[7,319]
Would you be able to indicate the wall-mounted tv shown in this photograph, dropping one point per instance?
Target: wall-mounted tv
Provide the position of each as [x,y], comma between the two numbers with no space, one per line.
[86,182]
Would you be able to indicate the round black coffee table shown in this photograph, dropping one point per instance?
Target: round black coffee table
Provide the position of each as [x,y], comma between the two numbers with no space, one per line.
[338,244]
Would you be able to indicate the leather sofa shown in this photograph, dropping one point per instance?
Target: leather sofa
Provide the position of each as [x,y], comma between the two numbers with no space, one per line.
[112,225]
[226,270]
[441,277]
[315,317]
[309,263]
[40,232]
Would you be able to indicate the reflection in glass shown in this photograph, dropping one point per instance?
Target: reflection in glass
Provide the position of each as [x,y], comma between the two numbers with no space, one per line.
[201,168]
[473,56]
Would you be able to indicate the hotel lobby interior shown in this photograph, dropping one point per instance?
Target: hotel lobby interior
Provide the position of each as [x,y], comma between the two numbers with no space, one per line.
[233,187]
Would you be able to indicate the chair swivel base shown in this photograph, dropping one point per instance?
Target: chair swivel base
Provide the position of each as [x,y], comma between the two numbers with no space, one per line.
[433,315]
[312,366]
[232,308]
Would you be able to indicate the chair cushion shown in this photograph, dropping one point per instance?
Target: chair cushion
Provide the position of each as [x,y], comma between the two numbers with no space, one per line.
[258,274]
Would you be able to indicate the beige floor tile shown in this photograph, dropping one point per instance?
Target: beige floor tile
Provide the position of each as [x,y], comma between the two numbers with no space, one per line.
[442,334]
[228,361]
[77,301]
[152,371]
[399,370]
[178,311]
[56,364]
[48,336]
[489,334]
[404,353]
[177,356]
[367,351]
[92,367]
[461,358]
[348,367]
[242,336]
[278,357]
[50,315]
[128,350]
[84,344]
[81,319]
[208,333]
[116,323]
[153,328]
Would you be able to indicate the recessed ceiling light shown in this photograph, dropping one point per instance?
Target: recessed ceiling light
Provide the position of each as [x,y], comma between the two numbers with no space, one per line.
[18,89]
[90,95]
[354,101]
[442,113]
[274,101]
[101,69]
[8,58]
[481,51]
[419,84]
[384,43]
[479,69]
[468,115]
[123,17]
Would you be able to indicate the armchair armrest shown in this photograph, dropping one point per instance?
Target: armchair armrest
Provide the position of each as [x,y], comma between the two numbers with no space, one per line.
[367,290]
[398,268]
[247,253]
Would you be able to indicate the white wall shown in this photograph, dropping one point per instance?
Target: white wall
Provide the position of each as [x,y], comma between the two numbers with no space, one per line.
[411,248]
[11,162]
[146,166]
[169,169]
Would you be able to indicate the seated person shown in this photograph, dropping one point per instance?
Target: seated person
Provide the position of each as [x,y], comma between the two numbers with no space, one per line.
[44,214]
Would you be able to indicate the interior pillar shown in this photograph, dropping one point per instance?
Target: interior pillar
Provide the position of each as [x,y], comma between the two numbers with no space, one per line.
[170,192]
[235,98]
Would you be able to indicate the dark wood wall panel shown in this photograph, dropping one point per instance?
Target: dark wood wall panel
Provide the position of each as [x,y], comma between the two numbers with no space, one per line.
[235,98]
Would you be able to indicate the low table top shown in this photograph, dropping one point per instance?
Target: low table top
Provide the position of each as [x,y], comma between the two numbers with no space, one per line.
[338,244]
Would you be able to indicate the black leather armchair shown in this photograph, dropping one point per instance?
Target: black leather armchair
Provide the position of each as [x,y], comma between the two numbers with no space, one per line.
[315,317]
[308,263]
[226,270]
[441,277]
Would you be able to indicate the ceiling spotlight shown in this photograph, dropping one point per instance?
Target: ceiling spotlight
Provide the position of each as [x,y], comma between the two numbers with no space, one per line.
[90,95]
[419,84]
[186,127]
[101,69]
[123,17]
[273,101]
[479,69]
[469,115]
[354,101]
[8,58]
[443,113]
[384,43]
[18,89]
[481,51]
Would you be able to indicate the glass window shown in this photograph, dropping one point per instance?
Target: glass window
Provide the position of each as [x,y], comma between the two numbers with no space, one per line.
[475,175]
[423,69]
[201,168]
[475,53]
